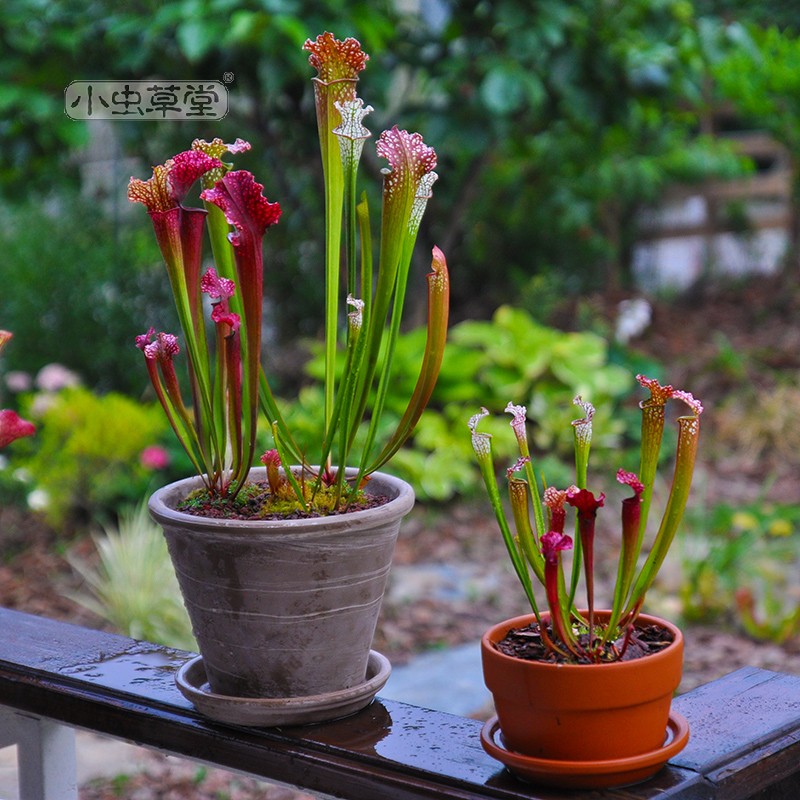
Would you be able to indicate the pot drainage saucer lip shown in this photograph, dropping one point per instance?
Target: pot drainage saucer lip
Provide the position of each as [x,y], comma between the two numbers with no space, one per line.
[270,711]
[587,774]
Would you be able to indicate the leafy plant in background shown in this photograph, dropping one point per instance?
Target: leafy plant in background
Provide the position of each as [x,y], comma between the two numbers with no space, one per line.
[519,357]
[87,457]
[134,586]
[761,76]
[538,540]
[255,42]
[743,563]
[782,13]
[227,381]
[564,119]
[559,119]
[510,355]
[258,44]
[102,276]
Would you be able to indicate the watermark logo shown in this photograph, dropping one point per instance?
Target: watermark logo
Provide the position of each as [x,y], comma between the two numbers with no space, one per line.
[147,100]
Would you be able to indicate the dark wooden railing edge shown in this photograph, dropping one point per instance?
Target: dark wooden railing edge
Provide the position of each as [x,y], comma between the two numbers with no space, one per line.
[745,727]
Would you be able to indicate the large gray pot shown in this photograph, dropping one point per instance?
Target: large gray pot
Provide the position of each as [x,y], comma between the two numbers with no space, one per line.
[283,608]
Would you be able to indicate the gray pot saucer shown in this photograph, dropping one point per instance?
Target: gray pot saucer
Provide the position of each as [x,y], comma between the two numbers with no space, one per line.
[271,711]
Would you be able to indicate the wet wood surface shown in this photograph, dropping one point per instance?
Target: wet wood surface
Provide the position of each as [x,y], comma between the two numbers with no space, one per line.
[745,728]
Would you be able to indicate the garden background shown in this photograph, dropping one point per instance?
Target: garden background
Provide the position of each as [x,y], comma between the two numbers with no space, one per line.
[573,139]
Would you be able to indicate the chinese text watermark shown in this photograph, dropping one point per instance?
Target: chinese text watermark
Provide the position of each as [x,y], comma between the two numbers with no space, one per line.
[146,100]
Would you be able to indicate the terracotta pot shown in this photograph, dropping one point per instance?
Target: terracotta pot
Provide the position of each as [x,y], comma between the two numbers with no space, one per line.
[283,608]
[582,712]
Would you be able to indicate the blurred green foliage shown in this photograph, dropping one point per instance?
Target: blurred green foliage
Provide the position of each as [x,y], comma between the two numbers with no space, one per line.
[553,121]
[77,290]
[44,46]
[742,561]
[85,456]
[576,113]
[47,45]
[761,77]
[511,358]
[782,13]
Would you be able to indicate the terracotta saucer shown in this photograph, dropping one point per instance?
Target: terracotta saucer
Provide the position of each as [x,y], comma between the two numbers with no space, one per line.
[266,712]
[587,774]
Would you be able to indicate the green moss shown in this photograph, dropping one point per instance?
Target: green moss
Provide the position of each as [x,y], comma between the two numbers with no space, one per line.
[255,501]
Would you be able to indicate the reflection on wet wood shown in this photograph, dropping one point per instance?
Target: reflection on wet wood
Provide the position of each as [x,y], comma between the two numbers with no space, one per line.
[745,740]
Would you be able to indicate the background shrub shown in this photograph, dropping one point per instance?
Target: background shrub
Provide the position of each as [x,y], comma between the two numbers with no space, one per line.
[511,358]
[554,122]
[85,457]
[77,289]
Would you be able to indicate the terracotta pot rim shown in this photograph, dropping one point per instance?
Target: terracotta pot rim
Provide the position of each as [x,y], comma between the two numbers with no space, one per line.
[497,631]
[162,501]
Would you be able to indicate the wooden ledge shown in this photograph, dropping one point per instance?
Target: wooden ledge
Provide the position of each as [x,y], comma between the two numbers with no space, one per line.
[745,728]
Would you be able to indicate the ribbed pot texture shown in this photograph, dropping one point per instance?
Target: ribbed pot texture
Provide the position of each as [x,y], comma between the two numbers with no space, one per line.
[283,608]
[582,712]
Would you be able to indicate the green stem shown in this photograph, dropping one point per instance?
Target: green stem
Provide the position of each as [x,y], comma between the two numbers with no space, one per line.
[688,434]
[483,451]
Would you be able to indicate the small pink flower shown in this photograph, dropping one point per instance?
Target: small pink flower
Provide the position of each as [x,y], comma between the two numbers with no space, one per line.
[154,457]
[18,381]
[54,377]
